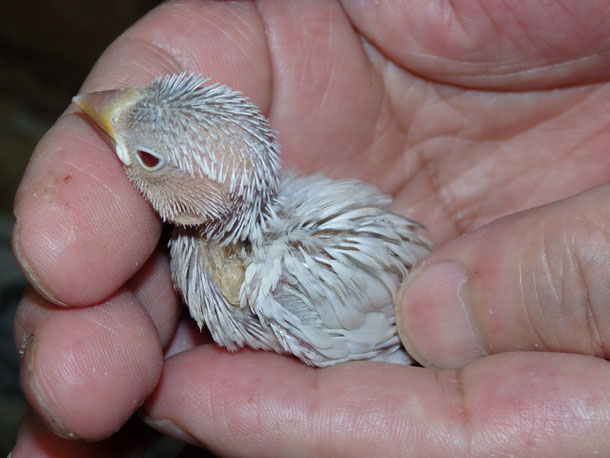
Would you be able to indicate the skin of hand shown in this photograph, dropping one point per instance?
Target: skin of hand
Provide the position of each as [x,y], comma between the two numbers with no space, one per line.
[480,118]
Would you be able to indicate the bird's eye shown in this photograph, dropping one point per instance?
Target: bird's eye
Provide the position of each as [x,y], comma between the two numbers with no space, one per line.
[149,160]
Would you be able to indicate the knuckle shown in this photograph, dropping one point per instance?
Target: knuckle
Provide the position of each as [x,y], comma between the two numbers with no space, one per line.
[566,306]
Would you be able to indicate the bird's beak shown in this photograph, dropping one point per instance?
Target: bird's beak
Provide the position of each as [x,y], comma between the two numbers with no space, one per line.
[105,109]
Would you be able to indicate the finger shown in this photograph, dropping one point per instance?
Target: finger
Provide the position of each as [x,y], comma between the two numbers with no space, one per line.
[492,44]
[225,42]
[519,404]
[153,288]
[82,229]
[186,336]
[536,280]
[86,370]
[35,440]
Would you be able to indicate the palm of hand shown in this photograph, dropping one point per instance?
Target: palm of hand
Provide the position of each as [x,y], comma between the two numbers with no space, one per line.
[460,143]
[457,143]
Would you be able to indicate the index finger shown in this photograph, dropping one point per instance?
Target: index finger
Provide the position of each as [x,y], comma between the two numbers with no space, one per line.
[82,229]
[260,404]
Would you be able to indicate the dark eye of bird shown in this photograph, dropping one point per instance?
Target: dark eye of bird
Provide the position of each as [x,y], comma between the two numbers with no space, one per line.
[148,160]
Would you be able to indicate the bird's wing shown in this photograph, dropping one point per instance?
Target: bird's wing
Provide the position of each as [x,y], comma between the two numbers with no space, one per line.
[326,276]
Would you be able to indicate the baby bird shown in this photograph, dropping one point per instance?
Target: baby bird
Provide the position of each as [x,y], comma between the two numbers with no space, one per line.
[265,258]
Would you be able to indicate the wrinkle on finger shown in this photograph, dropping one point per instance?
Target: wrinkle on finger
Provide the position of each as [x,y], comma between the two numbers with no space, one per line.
[82,228]
[153,287]
[533,281]
[247,396]
[491,44]
[519,404]
[130,61]
[223,41]
[86,370]
[567,289]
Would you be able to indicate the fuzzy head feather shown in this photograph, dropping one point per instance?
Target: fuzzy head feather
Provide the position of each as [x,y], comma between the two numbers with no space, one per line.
[200,153]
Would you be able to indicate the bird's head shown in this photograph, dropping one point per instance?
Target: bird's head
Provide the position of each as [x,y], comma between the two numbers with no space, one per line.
[200,154]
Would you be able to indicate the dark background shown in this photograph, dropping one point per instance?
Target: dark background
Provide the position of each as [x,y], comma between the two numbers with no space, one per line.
[46,49]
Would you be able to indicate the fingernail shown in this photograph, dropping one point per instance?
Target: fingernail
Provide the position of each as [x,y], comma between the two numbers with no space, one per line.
[28,272]
[169,428]
[434,319]
[29,355]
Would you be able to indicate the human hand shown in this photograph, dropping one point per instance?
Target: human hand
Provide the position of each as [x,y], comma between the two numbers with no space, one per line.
[466,113]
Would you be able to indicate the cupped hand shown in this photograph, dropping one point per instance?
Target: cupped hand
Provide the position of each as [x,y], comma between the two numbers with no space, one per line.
[489,118]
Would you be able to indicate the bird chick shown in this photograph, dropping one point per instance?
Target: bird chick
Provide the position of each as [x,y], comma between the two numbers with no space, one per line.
[263,257]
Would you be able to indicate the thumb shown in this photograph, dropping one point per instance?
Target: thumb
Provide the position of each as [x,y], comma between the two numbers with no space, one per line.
[535,280]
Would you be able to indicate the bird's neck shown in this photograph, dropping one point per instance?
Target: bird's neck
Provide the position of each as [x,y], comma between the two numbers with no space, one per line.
[245,223]
[251,203]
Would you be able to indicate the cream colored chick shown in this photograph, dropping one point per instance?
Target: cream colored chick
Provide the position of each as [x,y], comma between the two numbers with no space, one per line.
[263,257]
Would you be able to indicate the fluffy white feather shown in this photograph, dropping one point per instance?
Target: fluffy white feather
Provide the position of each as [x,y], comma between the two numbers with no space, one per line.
[321,281]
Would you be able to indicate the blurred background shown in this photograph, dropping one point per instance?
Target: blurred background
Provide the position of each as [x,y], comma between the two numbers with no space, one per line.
[46,50]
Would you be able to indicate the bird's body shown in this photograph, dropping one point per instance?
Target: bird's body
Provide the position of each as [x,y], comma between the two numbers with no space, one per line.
[302,265]
[319,283]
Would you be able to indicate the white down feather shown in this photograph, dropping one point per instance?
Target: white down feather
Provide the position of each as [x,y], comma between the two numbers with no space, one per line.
[325,276]
[321,281]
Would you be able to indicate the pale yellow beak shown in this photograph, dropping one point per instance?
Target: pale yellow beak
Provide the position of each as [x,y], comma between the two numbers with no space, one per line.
[105,109]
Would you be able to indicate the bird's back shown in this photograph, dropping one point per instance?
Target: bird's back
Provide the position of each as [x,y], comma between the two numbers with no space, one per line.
[325,276]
